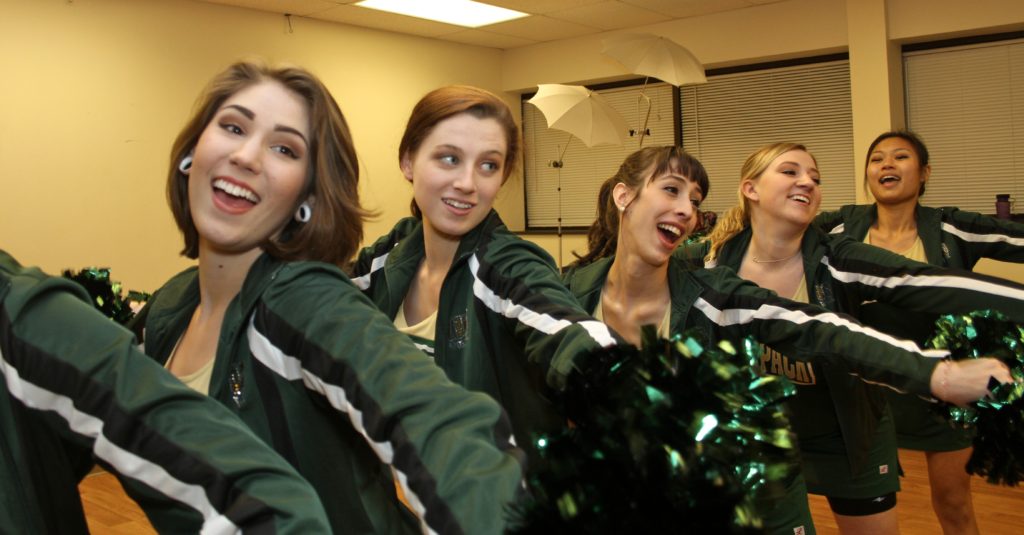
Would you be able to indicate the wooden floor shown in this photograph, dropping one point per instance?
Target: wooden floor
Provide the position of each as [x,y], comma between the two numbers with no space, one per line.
[1000,510]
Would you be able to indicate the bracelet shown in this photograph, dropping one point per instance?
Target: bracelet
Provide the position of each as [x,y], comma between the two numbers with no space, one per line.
[943,389]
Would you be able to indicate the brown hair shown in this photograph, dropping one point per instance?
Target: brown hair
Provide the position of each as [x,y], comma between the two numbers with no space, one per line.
[636,171]
[737,218]
[336,227]
[452,100]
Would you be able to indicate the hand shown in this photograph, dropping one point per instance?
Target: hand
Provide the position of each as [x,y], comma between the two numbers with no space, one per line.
[965,381]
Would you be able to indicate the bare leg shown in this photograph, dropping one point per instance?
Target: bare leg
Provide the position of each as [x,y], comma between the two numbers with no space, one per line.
[884,523]
[951,491]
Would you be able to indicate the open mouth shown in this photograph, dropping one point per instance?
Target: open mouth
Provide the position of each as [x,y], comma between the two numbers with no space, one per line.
[670,233]
[800,198]
[233,197]
[888,179]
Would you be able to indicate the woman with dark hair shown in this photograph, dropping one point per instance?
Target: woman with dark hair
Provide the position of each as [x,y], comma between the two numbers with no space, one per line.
[633,276]
[845,430]
[485,304]
[896,171]
[263,185]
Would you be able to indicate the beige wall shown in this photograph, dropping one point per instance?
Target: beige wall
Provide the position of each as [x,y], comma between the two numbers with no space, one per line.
[871,31]
[94,91]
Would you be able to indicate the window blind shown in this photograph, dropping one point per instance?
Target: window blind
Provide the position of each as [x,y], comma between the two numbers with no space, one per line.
[967,104]
[585,168]
[734,114]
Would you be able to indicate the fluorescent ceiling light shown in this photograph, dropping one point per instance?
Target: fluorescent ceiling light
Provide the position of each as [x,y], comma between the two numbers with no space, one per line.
[460,12]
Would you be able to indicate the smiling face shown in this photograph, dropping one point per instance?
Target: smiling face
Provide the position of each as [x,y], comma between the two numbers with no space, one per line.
[656,220]
[456,173]
[788,190]
[894,173]
[249,168]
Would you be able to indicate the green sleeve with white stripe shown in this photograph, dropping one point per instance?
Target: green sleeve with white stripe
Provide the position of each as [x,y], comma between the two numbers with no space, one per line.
[874,274]
[191,462]
[983,236]
[739,308]
[546,318]
[451,448]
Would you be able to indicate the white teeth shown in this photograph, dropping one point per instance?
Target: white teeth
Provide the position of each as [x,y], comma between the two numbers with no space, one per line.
[235,190]
[458,204]
[887,178]
[674,230]
[801,198]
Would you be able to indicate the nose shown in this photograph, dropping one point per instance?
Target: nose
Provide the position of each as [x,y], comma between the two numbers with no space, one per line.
[684,207]
[247,155]
[465,179]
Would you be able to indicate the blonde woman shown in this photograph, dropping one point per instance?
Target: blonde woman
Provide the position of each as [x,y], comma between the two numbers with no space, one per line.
[845,429]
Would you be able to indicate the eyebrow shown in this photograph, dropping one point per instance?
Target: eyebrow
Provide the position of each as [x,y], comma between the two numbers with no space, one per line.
[277,128]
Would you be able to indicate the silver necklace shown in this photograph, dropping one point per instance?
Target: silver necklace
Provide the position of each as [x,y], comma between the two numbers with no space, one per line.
[759,261]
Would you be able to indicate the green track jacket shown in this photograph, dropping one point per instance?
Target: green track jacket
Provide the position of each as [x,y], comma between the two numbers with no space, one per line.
[318,372]
[843,274]
[951,238]
[75,390]
[505,324]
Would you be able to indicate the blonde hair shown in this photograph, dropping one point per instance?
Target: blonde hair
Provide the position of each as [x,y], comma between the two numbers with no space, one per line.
[737,218]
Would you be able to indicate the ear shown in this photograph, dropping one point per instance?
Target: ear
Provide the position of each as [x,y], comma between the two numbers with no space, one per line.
[749,190]
[622,195]
[406,165]
[926,173]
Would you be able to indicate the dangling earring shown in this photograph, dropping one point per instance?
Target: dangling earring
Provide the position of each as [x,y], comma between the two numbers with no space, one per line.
[304,212]
[186,164]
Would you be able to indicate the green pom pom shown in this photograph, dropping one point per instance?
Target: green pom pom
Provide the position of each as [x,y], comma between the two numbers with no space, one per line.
[998,421]
[106,294]
[678,433]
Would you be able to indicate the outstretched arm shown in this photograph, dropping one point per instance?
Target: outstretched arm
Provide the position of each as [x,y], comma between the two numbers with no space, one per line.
[81,374]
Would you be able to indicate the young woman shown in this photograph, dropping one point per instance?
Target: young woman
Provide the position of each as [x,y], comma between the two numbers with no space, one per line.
[896,172]
[631,277]
[847,440]
[263,185]
[74,390]
[486,305]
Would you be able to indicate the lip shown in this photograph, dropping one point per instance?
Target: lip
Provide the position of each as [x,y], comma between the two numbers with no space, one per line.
[231,203]
[461,211]
[888,184]
[800,198]
[663,238]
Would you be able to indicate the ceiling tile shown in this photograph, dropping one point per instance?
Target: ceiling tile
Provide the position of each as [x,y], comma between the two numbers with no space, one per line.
[489,39]
[295,7]
[688,8]
[540,6]
[609,15]
[381,20]
[540,28]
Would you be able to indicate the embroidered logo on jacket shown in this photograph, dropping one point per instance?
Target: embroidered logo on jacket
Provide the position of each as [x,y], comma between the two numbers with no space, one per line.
[457,331]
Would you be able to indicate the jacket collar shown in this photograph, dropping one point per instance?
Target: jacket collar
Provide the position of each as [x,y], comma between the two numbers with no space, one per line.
[812,248]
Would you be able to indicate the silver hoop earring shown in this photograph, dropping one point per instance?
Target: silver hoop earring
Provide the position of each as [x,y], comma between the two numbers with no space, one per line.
[304,212]
[186,164]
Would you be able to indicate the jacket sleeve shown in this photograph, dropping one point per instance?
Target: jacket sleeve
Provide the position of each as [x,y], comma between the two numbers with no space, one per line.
[518,282]
[450,448]
[197,466]
[981,236]
[370,259]
[873,274]
[740,308]
[828,221]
